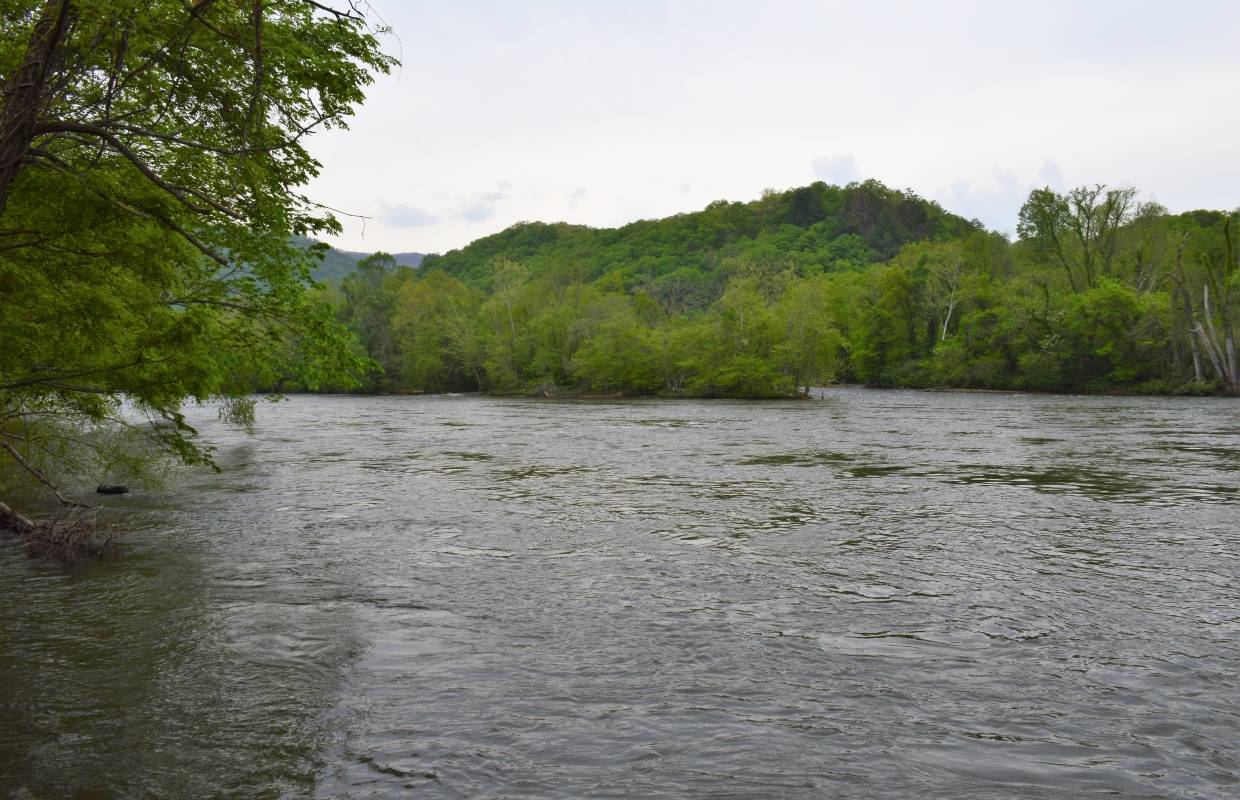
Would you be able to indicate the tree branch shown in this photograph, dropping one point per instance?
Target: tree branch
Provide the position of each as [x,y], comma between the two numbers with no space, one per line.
[39,476]
[181,193]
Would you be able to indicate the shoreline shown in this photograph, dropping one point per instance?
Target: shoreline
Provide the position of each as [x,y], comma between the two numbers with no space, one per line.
[567,395]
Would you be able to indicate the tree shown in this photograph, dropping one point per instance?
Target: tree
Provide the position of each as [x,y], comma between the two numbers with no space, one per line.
[441,345]
[1108,331]
[619,357]
[151,159]
[808,350]
[1079,230]
[886,338]
[370,299]
[505,357]
[1216,325]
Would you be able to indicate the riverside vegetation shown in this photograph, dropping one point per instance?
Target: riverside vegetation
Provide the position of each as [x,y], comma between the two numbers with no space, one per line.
[151,159]
[1099,292]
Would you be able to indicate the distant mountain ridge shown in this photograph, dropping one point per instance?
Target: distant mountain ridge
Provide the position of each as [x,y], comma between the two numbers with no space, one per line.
[336,264]
[404,259]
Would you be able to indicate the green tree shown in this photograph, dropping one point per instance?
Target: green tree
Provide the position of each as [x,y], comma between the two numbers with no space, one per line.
[810,344]
[823,283]
[1079,231]
[436,324]
[506,351]
[1114,333]
[621,356]
[369,302]
[151,156]
[885,342]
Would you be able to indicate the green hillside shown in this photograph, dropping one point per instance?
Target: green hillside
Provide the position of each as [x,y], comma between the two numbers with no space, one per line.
[1100,292]
[819,225]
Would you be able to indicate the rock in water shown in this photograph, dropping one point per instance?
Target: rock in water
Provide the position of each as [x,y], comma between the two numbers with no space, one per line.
[109,488]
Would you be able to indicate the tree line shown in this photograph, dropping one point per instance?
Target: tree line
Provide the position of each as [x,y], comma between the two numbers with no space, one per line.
[1098,292]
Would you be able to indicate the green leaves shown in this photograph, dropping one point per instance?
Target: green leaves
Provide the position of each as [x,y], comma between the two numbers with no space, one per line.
[650,308]
[145,256]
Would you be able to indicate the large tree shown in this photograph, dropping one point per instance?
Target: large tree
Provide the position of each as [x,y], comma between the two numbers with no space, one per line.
[1079,231]
[151,165]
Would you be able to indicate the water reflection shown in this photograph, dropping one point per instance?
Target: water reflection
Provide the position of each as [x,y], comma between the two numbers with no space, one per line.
[1089,483]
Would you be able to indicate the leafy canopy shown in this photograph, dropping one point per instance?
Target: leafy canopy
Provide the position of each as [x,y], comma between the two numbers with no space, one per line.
[151,163]
[821,283]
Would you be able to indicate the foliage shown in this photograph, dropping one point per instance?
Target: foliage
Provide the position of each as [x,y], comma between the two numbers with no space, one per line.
[814,228]
[820,284]
[150,163]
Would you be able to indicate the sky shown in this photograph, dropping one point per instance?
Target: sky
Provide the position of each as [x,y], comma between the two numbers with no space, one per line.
[601,113]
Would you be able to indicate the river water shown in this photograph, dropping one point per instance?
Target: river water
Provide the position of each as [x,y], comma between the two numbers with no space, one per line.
[870,595]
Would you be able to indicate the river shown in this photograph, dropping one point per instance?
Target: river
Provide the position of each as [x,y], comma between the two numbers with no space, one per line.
[870,595]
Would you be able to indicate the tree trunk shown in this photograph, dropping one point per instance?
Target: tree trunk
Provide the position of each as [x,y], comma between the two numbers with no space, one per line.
[947,319]
[1186,299]
[13,522]
[1222,348]
[1233,363]
[25,97]
[1198,375]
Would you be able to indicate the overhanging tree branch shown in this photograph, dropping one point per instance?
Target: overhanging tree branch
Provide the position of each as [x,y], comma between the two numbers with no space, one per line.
[37,473]
[181,193]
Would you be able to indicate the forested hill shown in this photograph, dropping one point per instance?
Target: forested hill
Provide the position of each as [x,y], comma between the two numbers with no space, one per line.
[831,226]
[1099,292]
[335,264]
[413,260]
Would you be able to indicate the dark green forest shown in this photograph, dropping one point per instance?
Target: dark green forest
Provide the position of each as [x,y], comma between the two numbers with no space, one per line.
[1100,292]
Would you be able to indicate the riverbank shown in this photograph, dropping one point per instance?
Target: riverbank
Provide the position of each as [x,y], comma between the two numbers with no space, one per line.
[561,393]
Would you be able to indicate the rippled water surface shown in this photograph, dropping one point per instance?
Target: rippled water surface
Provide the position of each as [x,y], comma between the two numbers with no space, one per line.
[874,594]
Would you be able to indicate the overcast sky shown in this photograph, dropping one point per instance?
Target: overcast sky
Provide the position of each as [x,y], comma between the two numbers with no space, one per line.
[605,112]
